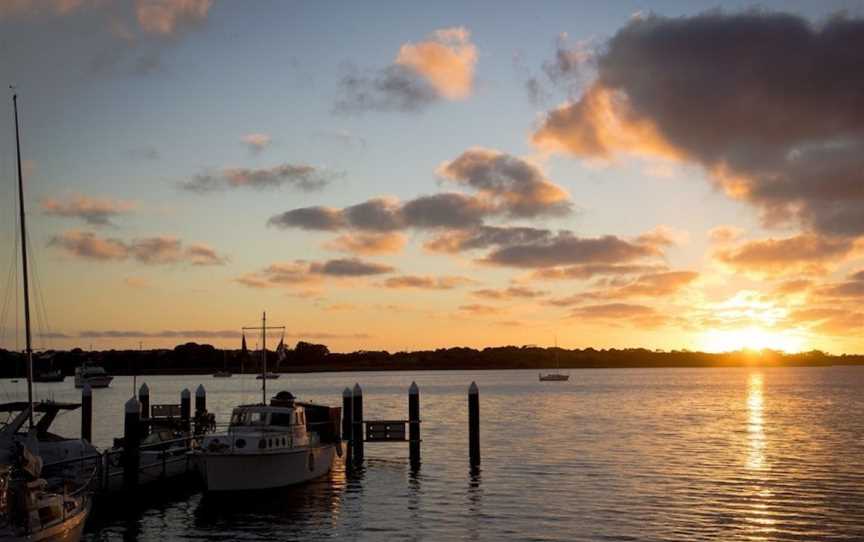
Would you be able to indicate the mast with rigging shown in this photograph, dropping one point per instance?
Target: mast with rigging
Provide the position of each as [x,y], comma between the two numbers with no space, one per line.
[29,347]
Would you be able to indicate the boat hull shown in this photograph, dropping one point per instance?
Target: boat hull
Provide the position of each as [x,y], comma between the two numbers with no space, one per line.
[68,530]
[94,381]
[255,471]
[554,378]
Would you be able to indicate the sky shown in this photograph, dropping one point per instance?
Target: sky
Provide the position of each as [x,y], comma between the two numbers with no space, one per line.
[398,176]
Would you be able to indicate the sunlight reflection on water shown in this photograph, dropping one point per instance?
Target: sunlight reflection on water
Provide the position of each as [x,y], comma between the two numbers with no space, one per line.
[659,454]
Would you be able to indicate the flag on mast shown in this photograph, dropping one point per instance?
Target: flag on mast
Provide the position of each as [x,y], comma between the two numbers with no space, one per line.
[243,349]
[281,353]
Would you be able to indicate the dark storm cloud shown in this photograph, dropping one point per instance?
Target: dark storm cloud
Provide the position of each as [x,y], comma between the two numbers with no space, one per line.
[770,104]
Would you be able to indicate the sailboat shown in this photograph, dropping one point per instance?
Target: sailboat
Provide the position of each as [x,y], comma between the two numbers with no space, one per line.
[557,376]
[29,510]
[224,373]
[273,445]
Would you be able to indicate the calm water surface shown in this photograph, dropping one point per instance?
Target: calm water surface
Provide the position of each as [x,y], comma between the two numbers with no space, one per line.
[657,454]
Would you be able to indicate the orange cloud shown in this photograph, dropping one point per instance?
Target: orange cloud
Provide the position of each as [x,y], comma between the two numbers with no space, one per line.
[427,283]
[446,60]
[94,211]
[164,16]
[805,253]
[368,243]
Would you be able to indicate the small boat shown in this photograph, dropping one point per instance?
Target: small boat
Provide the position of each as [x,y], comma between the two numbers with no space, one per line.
[271,446]
[557,376]
[93,375]
[49,376]
[268,376]
[164,455]
[222,374]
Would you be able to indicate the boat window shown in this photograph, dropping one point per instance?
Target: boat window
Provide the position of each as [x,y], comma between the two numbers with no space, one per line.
[249,418]
[280,418]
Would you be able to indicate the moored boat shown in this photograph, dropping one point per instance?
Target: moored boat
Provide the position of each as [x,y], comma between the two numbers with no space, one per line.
[94,375]
[270,446]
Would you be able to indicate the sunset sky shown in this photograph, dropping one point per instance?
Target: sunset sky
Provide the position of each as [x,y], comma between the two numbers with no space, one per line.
[403,175]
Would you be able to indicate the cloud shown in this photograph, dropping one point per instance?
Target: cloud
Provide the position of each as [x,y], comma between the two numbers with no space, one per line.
[148,250]
[475,309]
[87,245]
[613,310]
[93,211]
[256,142]
[298,176]
[446,60]
[368,243]
[805,253]
[423,73]
[304,273]
[427,282]
[589,271]
[165,16]
[516,186]
[484,237]
[136,282]
[663,284]
[722,235]
[349,267]
[566,248]
[512,292]
[777,98]
[200,254]
[309,218]
[91,37]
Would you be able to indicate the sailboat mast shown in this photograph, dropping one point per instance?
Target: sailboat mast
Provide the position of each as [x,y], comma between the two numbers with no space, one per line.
[264,358]
[29,349]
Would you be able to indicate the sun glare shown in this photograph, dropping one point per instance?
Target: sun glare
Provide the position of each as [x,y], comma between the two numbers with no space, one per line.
[751,338]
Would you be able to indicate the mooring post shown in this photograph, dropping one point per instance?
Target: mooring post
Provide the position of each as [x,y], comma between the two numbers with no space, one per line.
[414,425]
[357,431]
[87,413]
[131,444]
[474,425]
[144,399]
[346,415]
[185,407]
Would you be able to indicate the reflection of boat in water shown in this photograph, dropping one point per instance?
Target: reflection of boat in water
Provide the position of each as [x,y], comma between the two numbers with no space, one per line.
[93,375]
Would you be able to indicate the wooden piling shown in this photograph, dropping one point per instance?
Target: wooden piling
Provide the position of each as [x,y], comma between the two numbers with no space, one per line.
[474,425]
[131,444]
[200,400]
[144,399]
[87,413]
[185,407]
[357,425]
[414,425]
[346,414]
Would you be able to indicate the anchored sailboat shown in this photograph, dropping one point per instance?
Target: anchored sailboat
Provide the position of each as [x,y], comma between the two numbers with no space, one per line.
[29,510]
[557,376]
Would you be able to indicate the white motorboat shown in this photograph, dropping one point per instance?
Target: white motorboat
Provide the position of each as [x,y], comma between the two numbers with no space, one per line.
[270,446]
[93,375]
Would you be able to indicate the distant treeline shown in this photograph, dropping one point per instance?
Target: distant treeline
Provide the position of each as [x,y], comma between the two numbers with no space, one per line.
[192,358]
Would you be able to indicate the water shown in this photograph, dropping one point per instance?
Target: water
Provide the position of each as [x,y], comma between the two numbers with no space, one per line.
[656,454]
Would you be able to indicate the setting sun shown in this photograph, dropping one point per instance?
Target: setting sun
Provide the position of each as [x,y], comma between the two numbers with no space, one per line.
[751,338]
